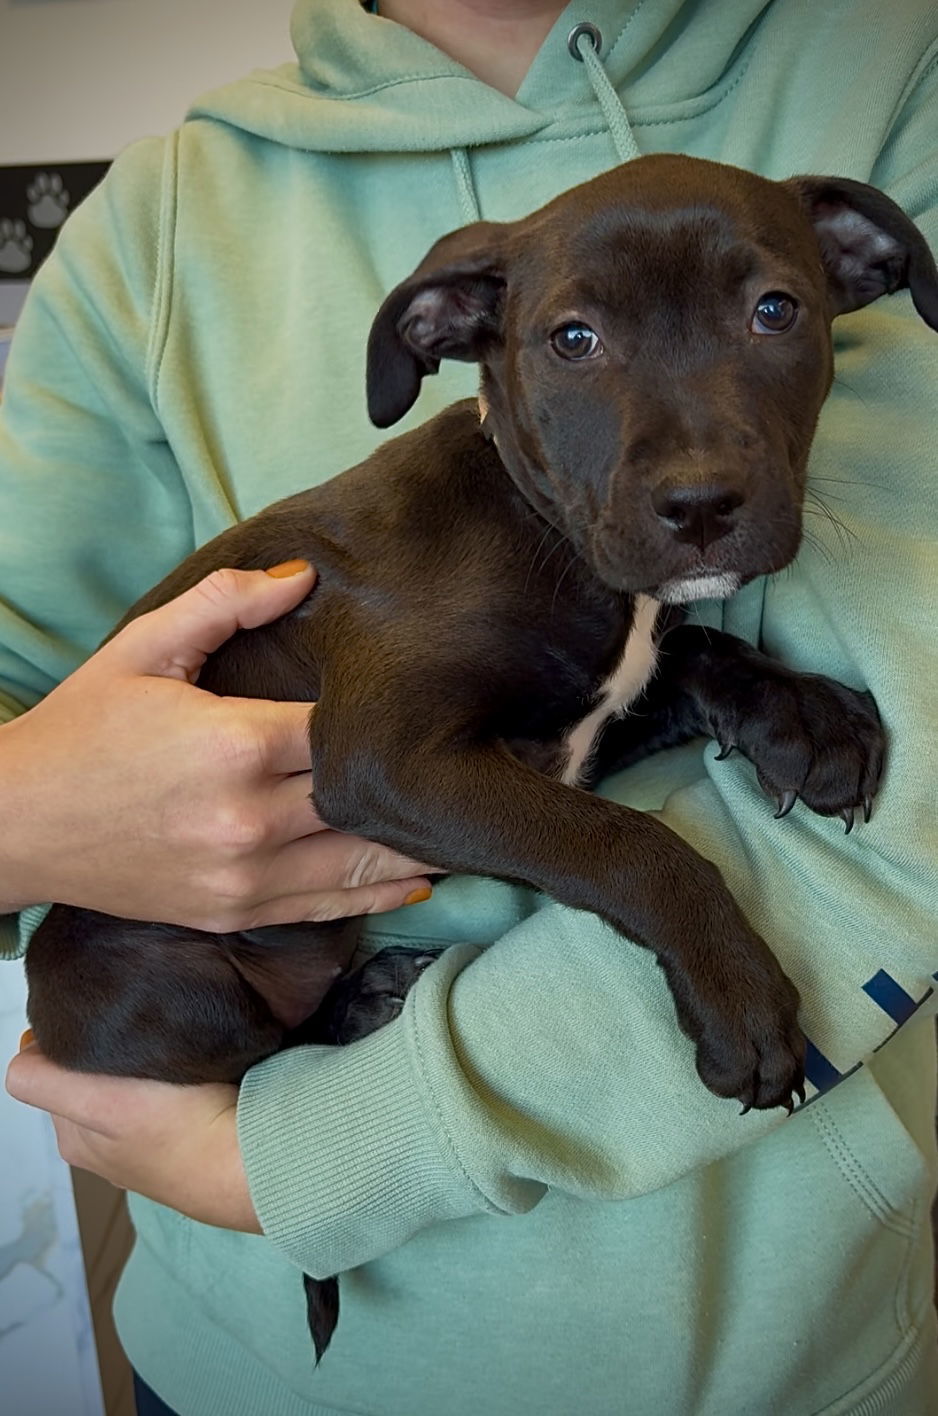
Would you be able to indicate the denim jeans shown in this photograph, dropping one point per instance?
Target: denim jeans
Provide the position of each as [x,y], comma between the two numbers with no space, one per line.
[147,1401]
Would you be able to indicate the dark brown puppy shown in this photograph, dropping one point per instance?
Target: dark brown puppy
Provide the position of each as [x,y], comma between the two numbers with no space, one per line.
[655,350]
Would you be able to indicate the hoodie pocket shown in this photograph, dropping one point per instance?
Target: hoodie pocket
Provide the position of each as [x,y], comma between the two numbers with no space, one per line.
[870,1137]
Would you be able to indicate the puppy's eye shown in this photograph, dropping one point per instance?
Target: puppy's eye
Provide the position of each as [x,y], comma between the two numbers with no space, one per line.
[576,341]
[774,314]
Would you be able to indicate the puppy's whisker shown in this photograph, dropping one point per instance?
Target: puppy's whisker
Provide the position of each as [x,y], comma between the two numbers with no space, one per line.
[817,545]
[820,508]
[841,382]
[848,482]
[536,567]
[563,574]
[546,559]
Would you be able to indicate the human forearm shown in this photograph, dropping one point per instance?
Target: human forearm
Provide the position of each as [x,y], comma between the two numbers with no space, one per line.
[550,1062]
[18,885]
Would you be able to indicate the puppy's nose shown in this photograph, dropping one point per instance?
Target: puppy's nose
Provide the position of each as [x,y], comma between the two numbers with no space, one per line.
[698,514]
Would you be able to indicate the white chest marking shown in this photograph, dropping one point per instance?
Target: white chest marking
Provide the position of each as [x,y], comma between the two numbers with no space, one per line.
[624,685]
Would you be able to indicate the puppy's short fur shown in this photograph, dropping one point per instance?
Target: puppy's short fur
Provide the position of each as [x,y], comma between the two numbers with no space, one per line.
[655,349]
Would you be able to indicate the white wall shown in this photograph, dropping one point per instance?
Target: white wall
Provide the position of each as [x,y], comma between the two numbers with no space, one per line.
[79,79]
[47,1357]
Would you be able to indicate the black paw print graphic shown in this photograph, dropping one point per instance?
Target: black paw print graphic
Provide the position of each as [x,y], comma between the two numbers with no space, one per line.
[48,201]
[15,247]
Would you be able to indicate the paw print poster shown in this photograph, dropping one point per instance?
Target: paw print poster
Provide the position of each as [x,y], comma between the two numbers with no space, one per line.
[34,203]
[47,200]
[16,247]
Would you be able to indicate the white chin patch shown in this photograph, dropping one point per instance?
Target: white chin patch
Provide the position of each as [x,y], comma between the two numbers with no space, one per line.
[698,587]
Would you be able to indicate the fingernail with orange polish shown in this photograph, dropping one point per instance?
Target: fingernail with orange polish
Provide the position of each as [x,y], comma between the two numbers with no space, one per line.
[416,897]
[294,567]
[27,1038]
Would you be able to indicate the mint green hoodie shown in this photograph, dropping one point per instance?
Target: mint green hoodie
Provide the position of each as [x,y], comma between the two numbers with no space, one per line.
[538,1207]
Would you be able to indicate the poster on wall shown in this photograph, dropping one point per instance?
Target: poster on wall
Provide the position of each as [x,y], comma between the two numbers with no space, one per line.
[34,202]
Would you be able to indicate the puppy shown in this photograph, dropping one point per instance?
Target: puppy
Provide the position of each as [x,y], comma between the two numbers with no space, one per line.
[493,595]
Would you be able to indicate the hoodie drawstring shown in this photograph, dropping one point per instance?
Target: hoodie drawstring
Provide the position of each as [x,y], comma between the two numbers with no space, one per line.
[465,187]
[584,42]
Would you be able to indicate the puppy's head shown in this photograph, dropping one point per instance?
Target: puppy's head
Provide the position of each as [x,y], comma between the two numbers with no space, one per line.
[655,349]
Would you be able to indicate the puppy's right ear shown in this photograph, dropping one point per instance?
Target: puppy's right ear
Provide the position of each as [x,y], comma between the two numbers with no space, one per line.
[450,308]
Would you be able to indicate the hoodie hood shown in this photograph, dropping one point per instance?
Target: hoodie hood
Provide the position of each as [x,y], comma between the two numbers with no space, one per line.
[362,83]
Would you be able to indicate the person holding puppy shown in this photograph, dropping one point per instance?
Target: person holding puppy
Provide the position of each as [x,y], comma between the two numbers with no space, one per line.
[533,1202]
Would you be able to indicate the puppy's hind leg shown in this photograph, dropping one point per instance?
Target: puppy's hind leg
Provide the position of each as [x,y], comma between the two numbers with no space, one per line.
[358,1004]
[362,1001]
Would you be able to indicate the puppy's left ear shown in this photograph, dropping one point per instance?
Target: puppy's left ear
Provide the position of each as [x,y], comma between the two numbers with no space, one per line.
[868,245]
[450,308]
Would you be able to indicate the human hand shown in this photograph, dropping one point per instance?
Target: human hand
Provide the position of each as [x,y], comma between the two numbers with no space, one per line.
[176,1145]
[138,794]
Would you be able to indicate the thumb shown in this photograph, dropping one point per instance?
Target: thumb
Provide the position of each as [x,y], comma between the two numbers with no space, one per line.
[175,640]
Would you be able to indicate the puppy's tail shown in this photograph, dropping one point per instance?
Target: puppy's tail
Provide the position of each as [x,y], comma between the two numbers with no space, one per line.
[322,1310]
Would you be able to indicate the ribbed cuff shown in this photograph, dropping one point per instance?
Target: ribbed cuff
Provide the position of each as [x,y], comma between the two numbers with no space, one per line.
[344,1154]
[17,930]
[9,937]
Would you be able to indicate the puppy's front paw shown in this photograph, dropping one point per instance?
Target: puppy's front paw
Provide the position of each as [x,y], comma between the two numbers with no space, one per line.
[813,738]
[741,1012]
[732,996]
[755,1051]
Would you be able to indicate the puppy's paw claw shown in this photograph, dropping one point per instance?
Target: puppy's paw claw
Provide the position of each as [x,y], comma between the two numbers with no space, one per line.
[785,803]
